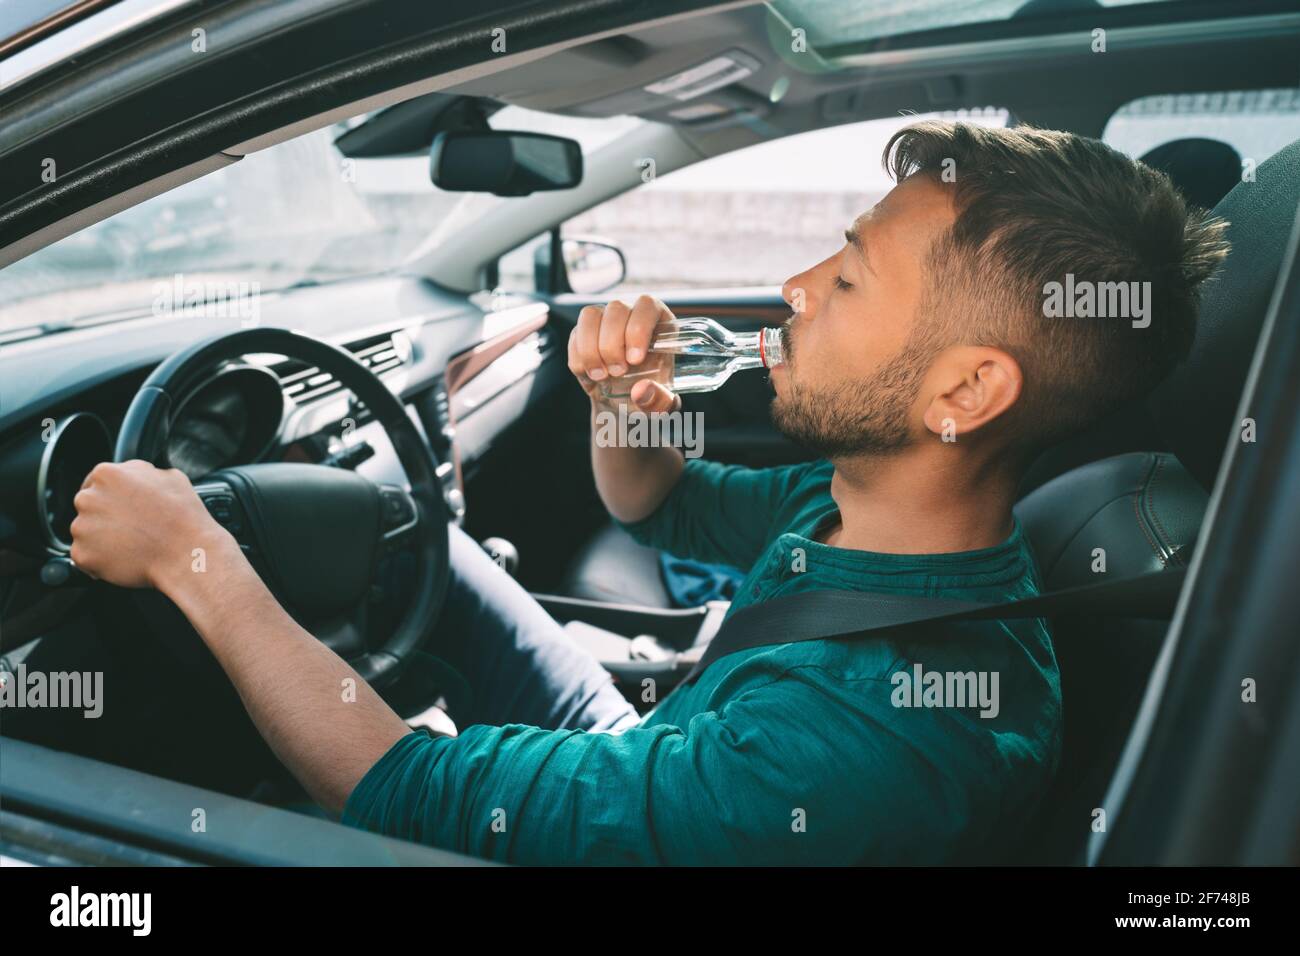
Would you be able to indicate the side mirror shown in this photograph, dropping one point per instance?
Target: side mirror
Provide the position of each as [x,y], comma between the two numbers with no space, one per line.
[503,163]
[589,264]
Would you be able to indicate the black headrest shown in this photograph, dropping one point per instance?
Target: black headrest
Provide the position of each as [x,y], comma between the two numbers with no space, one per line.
[1195,407]
[1204,170]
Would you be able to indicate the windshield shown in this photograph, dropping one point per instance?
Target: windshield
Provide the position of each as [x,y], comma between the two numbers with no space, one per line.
[295,213]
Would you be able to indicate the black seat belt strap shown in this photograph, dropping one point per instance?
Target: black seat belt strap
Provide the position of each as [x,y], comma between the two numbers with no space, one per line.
[839,615]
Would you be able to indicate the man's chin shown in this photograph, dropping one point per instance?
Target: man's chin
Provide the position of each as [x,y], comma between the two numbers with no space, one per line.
[810,420]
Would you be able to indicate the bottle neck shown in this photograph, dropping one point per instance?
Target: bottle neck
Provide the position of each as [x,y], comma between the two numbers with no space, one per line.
[746,350]
[762,349]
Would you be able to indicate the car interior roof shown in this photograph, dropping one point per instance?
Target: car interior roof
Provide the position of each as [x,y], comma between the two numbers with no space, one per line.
[1038,82]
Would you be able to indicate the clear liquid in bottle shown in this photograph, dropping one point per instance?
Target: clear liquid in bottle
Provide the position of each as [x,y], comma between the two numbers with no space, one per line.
[698,355]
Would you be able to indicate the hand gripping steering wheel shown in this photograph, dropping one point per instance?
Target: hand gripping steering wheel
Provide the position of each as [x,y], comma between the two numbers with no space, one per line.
[316,534]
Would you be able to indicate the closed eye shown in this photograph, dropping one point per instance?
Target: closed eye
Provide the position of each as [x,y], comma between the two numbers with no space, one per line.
[842,285]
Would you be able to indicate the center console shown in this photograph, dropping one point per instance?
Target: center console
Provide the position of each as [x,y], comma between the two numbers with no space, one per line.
[636,643]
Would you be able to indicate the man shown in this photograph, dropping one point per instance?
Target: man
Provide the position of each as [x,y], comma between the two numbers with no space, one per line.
[926,369]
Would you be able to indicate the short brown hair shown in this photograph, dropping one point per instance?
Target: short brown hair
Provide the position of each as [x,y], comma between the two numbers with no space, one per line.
[1034,205]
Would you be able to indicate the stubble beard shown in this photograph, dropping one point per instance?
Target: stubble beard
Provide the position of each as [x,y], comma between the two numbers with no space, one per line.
[846,419]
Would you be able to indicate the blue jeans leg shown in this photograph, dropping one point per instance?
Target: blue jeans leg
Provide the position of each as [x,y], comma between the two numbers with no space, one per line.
[520,665]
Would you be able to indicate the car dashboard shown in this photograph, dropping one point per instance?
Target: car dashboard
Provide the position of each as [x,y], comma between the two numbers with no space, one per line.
[465,373]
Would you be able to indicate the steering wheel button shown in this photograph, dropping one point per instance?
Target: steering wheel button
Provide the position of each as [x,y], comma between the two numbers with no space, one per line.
[398,510]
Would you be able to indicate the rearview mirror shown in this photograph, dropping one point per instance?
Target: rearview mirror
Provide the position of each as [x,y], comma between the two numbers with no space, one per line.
[504,163]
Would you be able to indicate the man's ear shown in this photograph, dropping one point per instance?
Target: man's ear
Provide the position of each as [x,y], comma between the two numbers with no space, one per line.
[970,386]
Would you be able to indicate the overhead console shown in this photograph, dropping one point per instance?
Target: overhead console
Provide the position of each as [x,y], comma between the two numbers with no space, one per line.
[704,71]
[706,94]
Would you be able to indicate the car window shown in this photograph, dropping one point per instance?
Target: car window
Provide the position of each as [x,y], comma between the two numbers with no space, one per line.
[515,268]
[1256,123]
[752,217]
[834,22]
[297,212]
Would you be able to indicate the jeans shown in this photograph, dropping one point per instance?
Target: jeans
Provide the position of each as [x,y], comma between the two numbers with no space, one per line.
[519,664]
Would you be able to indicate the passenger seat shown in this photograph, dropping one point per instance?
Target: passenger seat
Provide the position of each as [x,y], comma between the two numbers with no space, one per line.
[613,567]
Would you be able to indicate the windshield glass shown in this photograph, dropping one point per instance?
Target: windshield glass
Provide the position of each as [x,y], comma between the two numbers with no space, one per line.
[295,213]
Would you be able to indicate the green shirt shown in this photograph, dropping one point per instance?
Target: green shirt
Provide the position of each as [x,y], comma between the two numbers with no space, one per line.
[796,753]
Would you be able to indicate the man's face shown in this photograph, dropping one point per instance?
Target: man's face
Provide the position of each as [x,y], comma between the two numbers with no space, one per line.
[852,369]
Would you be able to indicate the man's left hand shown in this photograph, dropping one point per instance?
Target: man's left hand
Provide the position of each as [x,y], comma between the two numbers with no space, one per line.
[139,526]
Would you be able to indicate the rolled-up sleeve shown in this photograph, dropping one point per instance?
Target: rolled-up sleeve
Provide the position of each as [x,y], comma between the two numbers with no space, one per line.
[721,514]
[780,774]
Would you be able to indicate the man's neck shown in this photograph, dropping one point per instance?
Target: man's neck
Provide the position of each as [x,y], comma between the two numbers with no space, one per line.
[920,502]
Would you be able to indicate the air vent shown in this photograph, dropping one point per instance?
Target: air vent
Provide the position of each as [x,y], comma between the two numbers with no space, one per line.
[305,383]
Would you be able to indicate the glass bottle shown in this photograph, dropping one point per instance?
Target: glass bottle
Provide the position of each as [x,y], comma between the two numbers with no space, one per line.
[699,355]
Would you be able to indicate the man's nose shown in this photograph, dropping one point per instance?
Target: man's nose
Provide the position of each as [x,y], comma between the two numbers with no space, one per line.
[797,293]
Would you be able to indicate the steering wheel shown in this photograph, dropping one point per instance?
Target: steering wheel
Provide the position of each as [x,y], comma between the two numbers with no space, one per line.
[316,534]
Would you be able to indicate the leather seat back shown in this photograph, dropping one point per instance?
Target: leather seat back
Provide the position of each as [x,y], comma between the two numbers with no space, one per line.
[1115,518]
[1119,517]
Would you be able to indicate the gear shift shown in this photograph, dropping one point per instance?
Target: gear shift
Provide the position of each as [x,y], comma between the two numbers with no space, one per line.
[505,554]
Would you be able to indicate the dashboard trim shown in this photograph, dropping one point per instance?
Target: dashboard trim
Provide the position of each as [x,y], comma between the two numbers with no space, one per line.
[53,543]
[465,366]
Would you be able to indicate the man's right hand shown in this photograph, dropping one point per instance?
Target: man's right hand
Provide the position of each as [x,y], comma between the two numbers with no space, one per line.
[610,340]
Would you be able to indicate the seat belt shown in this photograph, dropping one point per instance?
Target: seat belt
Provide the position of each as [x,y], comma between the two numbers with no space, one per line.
[838,615]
